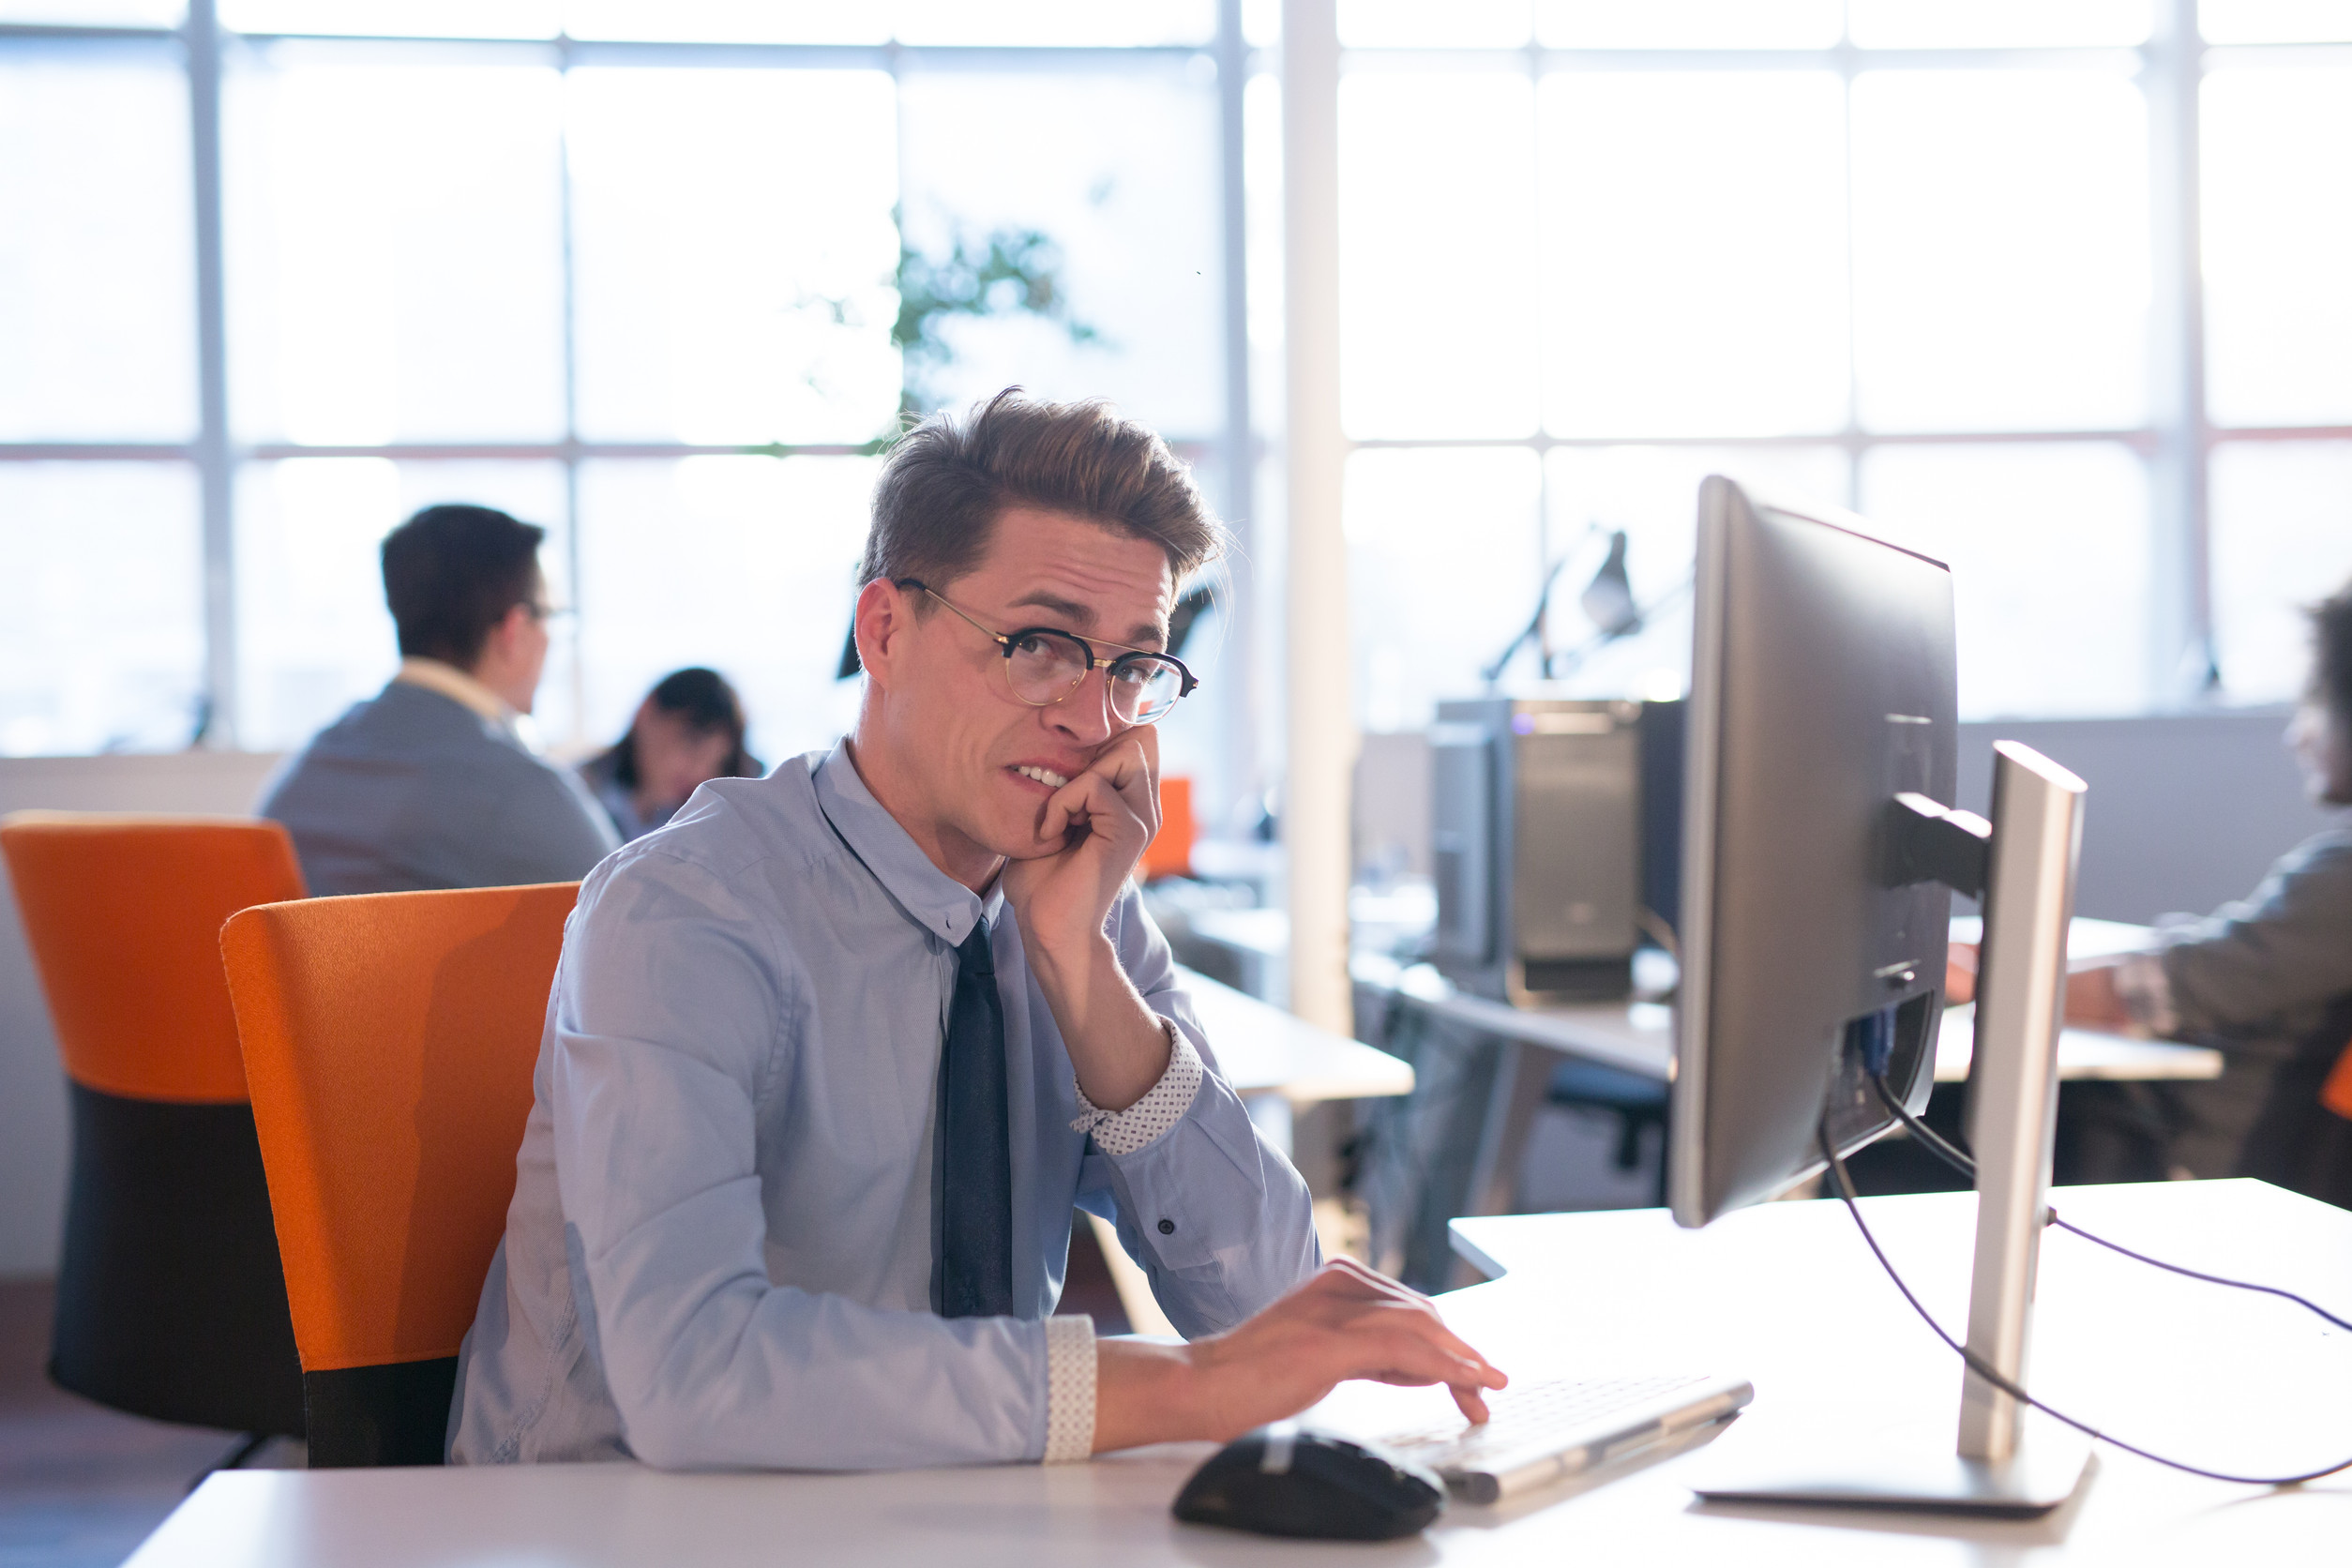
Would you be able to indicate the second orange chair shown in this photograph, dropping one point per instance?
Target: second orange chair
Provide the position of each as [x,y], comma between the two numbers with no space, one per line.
[389,1040]
[170,1303]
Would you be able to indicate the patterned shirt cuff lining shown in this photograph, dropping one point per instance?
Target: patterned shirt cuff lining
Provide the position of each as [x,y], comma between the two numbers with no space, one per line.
[1126,1132]
[1069,1390]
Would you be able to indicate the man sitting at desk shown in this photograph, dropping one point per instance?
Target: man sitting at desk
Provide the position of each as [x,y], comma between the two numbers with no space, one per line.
[830,1058]
[431,782]
[2267,980]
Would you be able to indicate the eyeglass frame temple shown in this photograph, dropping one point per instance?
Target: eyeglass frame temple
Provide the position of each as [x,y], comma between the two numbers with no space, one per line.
[1004,640]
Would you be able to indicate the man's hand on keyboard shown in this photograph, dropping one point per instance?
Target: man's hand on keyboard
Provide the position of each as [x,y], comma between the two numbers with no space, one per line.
[1346,1322]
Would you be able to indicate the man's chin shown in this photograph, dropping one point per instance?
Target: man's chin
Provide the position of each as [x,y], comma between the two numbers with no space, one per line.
[1025,842]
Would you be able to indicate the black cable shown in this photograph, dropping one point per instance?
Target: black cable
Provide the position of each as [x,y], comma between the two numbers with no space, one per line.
[1934,1142]
[1944,1150]
[2192,1274]
[1983,1369]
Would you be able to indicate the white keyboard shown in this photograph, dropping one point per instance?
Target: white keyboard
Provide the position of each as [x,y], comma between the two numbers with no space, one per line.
[1557,1427]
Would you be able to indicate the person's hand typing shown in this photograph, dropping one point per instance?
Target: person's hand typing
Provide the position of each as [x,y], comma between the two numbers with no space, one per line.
[1960,961]
[1346,1322]
[2092,1000]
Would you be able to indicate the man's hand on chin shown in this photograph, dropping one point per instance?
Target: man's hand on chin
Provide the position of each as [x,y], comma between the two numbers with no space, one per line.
[1090,832]
[1102,820]
[1346,1322]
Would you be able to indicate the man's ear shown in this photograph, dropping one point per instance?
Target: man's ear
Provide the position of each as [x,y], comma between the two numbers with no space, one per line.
[500,643]
[884,618]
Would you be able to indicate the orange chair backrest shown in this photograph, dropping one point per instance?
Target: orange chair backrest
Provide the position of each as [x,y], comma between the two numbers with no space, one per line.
[123,914]
[2336,1094]
[1169,852]
[389,1039]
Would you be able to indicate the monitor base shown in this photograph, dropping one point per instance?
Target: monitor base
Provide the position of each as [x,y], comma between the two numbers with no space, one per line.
[2049,1467]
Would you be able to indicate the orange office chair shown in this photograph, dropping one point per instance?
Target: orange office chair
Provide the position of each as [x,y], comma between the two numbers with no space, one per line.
[170,1300]
[2336,1094]
[389,1038]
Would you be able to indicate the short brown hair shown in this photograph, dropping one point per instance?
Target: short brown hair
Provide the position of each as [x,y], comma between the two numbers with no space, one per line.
[2332,654]
[947,479]
[451,573]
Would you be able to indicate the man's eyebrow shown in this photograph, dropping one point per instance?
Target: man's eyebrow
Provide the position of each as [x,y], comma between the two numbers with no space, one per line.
[1147,634]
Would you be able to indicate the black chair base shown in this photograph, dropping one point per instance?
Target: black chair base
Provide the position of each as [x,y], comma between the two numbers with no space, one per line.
[395,1415]
[171,1299]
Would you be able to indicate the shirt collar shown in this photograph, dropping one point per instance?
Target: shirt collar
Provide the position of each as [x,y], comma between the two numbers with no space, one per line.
[468,693]
[936,901]
[456,686]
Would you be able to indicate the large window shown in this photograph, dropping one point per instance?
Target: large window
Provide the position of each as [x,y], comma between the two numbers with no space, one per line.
[2055,288]
[1940,263]
[627,270]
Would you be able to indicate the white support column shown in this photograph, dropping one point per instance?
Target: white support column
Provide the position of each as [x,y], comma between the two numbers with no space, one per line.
[1320,744]
[213,458]
[2181,619]
[1239,690]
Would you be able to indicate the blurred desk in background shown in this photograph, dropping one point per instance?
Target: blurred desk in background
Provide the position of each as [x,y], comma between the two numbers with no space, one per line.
[1277,1063]
[1268,1053]
[1637,1037]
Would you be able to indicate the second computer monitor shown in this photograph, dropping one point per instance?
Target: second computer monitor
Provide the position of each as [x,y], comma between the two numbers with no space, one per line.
[1822,684]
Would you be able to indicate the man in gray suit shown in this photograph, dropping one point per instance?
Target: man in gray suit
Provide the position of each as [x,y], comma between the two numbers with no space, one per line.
[433,782]
[2266,979]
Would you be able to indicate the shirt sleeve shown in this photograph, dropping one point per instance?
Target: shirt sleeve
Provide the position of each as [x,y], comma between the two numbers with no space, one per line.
[1125,1132]
[2139,980]
[1217,1218]
[671,1017]
[2286,947]
[1069,1389]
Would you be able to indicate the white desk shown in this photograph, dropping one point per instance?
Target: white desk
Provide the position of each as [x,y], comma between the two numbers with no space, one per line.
[1266,1050]
[1784,1294]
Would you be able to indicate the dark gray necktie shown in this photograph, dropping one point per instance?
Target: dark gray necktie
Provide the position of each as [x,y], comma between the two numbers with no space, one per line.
[972,1273]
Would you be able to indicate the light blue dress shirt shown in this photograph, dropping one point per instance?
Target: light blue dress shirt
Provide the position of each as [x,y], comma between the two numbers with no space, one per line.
[719,1249]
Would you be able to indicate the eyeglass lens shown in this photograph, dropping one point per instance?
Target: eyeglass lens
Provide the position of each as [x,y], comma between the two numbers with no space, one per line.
[1044,666]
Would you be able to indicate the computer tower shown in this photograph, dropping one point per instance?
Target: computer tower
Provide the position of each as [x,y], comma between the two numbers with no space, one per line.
[1555,825]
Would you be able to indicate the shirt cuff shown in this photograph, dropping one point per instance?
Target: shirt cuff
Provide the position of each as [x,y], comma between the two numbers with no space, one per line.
[1125,1132]
[1069,1389]
[2146,991]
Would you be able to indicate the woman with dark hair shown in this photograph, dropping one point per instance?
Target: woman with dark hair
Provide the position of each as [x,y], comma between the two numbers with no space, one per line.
[2267,980]
[689,729]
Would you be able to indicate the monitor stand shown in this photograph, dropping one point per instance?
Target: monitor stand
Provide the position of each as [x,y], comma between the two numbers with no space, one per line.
[2023,868]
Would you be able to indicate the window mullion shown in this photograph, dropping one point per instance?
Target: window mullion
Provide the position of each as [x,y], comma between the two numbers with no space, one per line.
[219,724]
[2180,653]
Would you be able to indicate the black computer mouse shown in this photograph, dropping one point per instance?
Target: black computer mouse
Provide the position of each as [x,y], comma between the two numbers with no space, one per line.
[1285,1480]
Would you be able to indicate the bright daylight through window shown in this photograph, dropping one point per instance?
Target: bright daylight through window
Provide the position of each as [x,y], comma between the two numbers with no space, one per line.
[630,272]
[1931,262]
[634,273]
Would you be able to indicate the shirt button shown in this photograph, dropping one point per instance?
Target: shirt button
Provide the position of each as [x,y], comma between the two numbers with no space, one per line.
[1167,1228]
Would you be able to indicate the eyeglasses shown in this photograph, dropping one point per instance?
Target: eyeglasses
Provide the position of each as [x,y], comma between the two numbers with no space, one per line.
[1044,666]
[543,612]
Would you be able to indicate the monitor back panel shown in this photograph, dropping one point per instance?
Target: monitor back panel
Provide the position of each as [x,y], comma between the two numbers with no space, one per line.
[1823,683]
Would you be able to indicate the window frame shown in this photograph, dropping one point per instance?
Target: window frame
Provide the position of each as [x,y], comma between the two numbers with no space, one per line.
[2177,439]
[2177,442]
[201,45]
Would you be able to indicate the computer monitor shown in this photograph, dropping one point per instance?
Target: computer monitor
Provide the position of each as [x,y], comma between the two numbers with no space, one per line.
[1820,855]
[1823,683]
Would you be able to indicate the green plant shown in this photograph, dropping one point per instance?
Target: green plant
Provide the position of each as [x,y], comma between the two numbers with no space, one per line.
[1005,272]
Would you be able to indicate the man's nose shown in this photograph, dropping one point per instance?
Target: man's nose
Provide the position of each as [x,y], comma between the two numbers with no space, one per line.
[1085,715]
